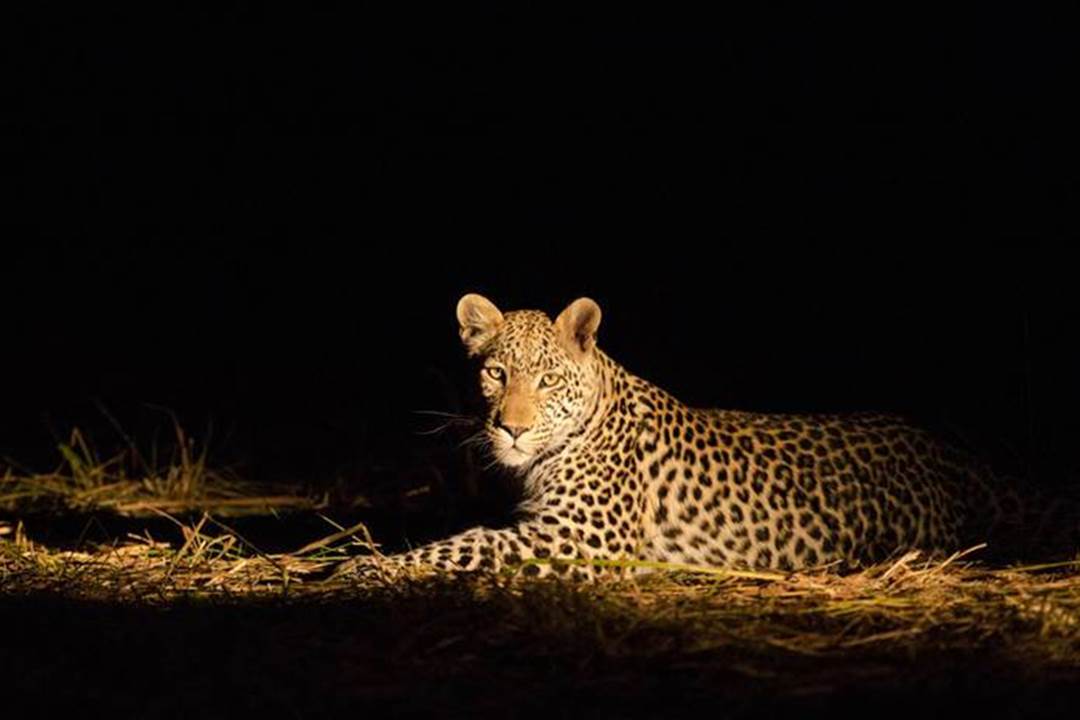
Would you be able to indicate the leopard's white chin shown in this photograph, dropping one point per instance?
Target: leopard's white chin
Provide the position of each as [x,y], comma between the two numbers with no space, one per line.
[514,457]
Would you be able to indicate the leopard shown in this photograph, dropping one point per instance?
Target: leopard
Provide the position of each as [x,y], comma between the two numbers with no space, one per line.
[617,473]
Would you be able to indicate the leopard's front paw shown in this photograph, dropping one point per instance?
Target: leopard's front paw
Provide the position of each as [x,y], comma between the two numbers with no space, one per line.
[361,568]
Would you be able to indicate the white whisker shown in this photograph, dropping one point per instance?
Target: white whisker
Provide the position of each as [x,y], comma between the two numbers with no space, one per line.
[442,413]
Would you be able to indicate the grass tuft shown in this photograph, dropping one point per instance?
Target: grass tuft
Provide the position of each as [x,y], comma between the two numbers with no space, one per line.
[132,483]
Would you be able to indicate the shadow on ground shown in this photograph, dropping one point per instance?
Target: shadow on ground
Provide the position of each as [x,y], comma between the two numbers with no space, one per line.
[450,653]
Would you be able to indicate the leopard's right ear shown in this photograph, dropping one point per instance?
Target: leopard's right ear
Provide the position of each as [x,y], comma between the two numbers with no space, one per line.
[479,320]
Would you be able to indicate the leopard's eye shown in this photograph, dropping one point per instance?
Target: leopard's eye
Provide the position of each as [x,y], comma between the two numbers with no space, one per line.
[496,373]
[549,380]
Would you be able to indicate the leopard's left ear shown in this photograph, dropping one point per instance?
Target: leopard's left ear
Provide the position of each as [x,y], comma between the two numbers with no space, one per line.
[479,321]
[576,327]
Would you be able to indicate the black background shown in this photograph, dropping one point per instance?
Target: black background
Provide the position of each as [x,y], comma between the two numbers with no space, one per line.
[263,220]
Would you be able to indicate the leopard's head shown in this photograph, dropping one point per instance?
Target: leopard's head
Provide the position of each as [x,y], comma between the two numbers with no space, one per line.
[540,379]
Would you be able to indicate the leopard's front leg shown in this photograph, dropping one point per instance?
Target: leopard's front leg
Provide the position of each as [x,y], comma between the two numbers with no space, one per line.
[530,548]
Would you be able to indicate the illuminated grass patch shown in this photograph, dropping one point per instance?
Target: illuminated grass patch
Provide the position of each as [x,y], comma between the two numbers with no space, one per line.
[303,636]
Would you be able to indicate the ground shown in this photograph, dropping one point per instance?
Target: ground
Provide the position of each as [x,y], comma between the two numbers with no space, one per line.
[191,611]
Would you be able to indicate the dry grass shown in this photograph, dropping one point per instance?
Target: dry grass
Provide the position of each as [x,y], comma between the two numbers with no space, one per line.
[910,629]
[132,483]
[905,628]
[913,627]
[911,601]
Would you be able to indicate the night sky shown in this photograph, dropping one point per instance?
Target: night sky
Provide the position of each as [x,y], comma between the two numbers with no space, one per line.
[263,221]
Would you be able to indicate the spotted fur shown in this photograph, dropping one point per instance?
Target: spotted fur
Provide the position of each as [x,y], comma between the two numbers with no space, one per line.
[615,468]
